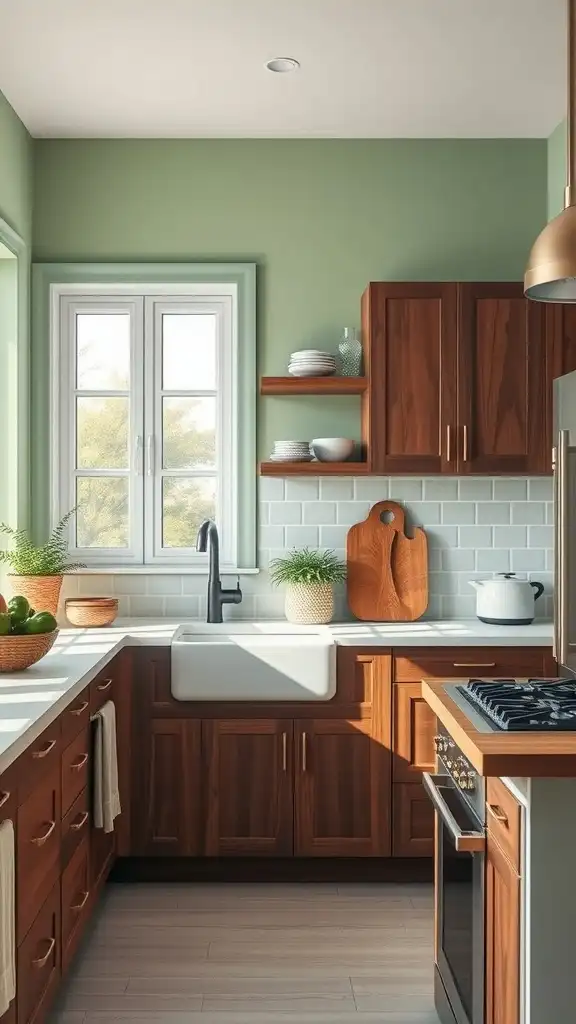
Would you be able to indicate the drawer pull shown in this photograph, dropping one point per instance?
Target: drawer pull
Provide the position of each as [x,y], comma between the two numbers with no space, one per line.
[474,664]
[77,765]
[83,901]
[41,961]
[498,814]
[77,825]
[105,685]
[40,840]
[80,710]
[44,751]
[4,798]
[284,751]
[304,751]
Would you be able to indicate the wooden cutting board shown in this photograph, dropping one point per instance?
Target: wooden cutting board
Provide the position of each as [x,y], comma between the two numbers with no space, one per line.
[387,571]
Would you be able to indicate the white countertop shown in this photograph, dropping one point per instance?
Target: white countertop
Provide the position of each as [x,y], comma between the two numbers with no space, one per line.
[31,700]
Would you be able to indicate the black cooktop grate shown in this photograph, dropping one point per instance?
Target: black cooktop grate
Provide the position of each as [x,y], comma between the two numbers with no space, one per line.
[538,705]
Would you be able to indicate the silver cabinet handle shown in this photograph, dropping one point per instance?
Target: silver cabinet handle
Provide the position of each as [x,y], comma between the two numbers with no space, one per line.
[464,841]
[561,546]
[448,444]
[465,453]
[284,751]
[150,454]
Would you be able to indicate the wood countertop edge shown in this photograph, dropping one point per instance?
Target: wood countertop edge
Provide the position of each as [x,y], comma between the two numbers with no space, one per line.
[501,754]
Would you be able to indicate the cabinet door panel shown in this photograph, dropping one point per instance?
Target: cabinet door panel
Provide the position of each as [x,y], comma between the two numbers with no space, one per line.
[412,332]
[342,790]
[166,788]
[249,785]
[413,821]
[414,728]
[502,938]
[38,849]
[76,905]
[501,380]
[39,959]
[560,357]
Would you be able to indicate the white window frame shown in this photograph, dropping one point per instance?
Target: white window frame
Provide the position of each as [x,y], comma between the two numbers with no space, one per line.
[146,303]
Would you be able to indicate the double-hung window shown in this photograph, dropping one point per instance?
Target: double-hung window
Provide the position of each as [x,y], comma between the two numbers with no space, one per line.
[146,421]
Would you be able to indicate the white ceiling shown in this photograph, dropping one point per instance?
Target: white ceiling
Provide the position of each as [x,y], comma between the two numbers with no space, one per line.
[369,68]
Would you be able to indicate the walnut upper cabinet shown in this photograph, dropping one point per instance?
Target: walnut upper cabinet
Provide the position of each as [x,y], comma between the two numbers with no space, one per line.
[461,377]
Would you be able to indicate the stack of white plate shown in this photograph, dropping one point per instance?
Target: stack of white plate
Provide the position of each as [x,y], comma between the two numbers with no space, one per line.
[311,362]
[291,451]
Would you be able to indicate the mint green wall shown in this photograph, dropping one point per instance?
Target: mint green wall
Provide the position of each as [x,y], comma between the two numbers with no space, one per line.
[556,154]
[16,167]
[321,218]
[16,195]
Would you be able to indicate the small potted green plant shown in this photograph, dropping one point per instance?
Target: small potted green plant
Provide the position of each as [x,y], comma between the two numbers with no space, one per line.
[309,577]
[37,570]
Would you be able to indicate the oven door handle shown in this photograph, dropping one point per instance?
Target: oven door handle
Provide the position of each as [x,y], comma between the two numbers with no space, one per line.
[465,842]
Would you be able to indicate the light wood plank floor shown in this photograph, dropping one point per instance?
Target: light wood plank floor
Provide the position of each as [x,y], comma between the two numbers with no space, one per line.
[218,954]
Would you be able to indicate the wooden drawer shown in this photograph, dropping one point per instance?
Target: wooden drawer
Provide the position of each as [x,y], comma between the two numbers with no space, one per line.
[413,729]
[39,962]
[76,717]
[102,688]
[413,665]
[503,820]
[412,821]
[75,901]
[75,767]
[75,826]
[38,849]
[39,759]
[102,854]
[8,794]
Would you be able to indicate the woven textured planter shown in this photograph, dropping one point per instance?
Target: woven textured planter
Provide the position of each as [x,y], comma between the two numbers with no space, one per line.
[42,592]
[91,611]
[309,604]
[20,652]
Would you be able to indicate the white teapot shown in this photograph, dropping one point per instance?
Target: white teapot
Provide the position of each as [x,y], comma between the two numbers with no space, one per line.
[506,600]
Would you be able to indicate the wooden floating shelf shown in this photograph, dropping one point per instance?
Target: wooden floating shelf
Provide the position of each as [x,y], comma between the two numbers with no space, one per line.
[314,468]
[313,385]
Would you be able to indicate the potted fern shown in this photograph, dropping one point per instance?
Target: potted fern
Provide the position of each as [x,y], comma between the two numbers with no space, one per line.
[309,577]
[36,571]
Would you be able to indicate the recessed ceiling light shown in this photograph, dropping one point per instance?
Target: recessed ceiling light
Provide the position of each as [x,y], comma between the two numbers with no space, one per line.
[282,64]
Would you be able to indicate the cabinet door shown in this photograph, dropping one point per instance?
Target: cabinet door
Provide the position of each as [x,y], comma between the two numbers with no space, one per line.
[412,821]
[502,938]
[414,728]
[501,381]
[39,959]
[249,772]
[410,412]
[166,788]
[342,789]
[560,356]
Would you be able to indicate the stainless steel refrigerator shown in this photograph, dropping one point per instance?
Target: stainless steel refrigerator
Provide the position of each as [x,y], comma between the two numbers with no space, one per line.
[564,462]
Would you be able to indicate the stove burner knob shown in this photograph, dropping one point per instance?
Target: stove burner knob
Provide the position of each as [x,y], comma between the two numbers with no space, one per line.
[440,744]
[450,763]
[471,776]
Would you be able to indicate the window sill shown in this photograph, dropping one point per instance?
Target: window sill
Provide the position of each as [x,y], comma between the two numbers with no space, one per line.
[160,570]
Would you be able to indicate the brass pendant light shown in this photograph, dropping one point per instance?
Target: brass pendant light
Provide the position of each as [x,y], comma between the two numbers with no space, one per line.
[551,272]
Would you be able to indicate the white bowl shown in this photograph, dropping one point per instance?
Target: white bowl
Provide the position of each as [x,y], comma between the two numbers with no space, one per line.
[332,449]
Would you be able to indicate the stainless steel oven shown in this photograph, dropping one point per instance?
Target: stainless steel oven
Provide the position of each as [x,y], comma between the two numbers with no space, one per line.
[457,794]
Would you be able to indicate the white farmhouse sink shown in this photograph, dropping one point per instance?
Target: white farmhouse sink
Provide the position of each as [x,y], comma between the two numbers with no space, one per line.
[238,661]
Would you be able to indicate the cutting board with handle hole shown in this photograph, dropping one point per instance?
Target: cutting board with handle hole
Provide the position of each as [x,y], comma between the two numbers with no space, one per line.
[387,576]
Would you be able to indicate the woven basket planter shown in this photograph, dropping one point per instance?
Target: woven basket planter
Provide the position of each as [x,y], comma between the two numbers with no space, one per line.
[42,592]
[309,604]
[20,652]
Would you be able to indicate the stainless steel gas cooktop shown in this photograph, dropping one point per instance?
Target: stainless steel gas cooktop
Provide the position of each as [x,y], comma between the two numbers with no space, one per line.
[519,705]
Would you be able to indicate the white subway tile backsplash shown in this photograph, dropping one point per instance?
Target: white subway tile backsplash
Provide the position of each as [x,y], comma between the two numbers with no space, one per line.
[458,559]
[371,488]
[319,512]
[459,512]
[540,488]
[493,512]
[285,512]
[336,490]
[475,536]
[271,488]
[302,490]
[440,489]
[528,560]
[510,537]
[475,527]
[302,537]
[475,489]
[350,512]
[529,512]
[493,560]
[510,490]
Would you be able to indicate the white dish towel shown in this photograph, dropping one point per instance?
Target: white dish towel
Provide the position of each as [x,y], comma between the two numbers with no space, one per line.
[106,791]
[7,917]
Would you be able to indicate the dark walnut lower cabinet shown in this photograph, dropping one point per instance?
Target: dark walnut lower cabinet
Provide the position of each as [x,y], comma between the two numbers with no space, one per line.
[166,789]
[502,938]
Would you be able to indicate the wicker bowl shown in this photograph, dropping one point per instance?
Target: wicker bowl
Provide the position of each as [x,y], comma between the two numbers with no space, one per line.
[91,611]
[19,652]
